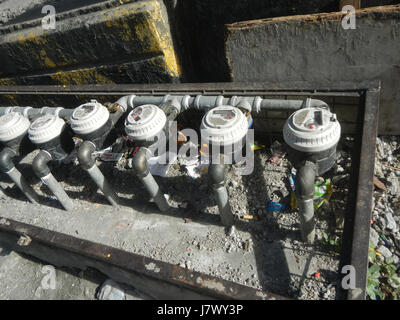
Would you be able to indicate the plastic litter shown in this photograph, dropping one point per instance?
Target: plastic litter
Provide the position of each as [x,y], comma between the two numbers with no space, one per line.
[111,157]
[159,169]
[273,206]
[385,241]
[322,194]
[379,184]
[255,146]
[278,152]
[197,170]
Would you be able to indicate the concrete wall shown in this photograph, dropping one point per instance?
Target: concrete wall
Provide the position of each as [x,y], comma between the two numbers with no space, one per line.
[159,41]
[316,48]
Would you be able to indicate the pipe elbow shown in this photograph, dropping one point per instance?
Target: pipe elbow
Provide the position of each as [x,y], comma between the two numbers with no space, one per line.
[6,163]
[39,164]
[304,181]
[126,102]
[85,152]
[315,103]
[139,163]
[116,116]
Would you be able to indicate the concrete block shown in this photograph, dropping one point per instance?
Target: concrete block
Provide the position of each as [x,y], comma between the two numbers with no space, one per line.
[315,48]
[104,46]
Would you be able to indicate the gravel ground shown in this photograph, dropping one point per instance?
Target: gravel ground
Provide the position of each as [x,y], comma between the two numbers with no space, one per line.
[22,278]
[25,278]
[385,233]
[265,252]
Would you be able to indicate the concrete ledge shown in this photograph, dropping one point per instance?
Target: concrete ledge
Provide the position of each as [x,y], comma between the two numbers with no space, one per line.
[125,35]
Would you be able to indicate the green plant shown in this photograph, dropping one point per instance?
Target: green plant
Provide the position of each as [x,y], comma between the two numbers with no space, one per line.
[333,240]
[383,281]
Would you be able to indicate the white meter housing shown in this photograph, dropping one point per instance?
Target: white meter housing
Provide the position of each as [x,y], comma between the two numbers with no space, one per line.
[45,129]
[89,117]
[145,122]
[224,126]
[13,125]
[312,130]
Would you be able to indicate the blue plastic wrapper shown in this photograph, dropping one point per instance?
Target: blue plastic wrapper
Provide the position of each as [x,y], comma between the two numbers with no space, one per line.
[275,206]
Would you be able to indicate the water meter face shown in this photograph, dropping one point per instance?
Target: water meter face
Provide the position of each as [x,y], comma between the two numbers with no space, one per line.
[224,125]
[8,119]
[84,111]
[89,117]
[312,119]
[42,122]
[13,125]
[145,122]
[312,130]
[222,117]
[142,114]
[45,128]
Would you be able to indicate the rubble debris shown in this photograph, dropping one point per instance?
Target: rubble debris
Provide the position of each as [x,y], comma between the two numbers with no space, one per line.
[384,251]
[379,184]
[160,168]
[278,152]
[110,290]
[373,238]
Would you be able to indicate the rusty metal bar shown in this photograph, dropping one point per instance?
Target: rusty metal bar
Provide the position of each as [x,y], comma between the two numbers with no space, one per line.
[228,88]
[358,219]
[204,284]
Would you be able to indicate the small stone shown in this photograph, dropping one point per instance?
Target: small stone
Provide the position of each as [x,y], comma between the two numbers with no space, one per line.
[110,290]
[374,237]
[384,251]
[390,222]
[394,184]
[339,169]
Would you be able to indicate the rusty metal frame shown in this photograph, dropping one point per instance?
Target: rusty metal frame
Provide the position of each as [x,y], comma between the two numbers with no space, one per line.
[190,284]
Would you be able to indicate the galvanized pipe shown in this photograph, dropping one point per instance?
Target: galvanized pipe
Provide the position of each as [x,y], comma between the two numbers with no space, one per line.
[42,171]
[32,112]
[304,183]
[200,102]
[21,183]
[7,166]
[216,176]
[58,191]
[86,161]
[139,164]
[98,177]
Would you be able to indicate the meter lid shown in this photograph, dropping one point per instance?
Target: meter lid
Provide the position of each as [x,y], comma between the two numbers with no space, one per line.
[145,122]
[89,117]
[224,125]
[13,125]
[45,128]
[312,130]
